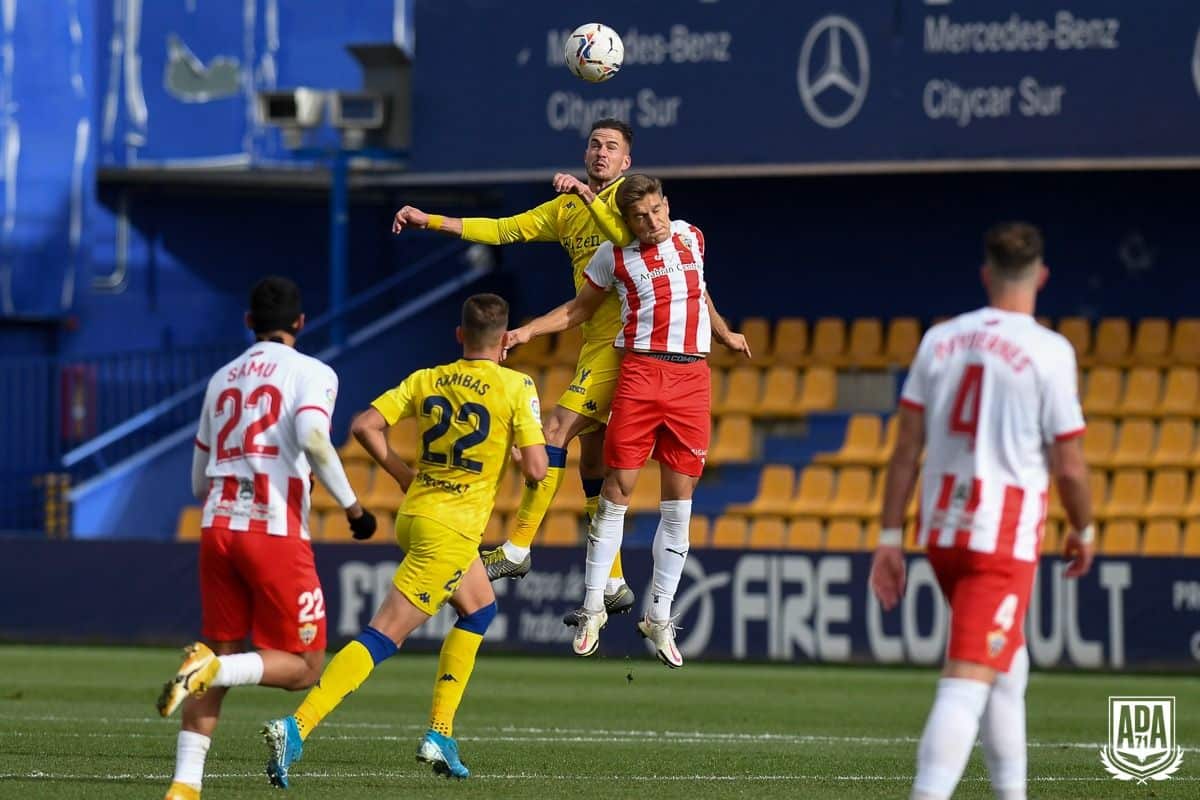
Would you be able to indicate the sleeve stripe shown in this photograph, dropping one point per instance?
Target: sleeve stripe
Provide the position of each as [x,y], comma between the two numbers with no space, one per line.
[595,285]
[312,408]
[201,445]
[911,404]
[1062,437]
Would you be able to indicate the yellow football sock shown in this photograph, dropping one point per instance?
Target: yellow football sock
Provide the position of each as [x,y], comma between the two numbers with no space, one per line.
[345,673]
[616,572]
[535,501]
[455,664]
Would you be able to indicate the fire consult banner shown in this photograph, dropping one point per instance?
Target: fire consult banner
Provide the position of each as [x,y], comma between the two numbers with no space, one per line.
[1130,613]
[736,86]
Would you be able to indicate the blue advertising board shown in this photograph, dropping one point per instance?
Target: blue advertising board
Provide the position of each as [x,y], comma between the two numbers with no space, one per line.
[1131,613]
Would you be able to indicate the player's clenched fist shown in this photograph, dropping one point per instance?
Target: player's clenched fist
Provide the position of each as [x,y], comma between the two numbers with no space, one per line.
[887,576]
[514,338]
[409,215]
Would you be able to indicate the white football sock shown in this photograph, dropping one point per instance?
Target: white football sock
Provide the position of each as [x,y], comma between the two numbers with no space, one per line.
[1002,730]
[949,736]
[514,553]
[242,669]
[670,553]
[613,585]
[604,542]
[190,751]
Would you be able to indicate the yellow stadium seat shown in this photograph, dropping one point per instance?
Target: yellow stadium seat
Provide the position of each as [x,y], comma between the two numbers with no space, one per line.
[865,349]
[1143,387]
[560,529]
[729,533]
[1103,392]
[1176,440]
[732,440]
[804,534]
[1120,538]
[1078,332]
[532,354]
[334,527]
[497,529]
[871,535]
[570,495]
[903,336]
[1054,507]
[1193,505]
[819,391]
[757,331]
[566,348]
[844,534]
[1127,497]
[742,390]
[1185,344]
[1135,444]
[1181,395]
[187,529]
[1112,342]
[767,533]
[829,341]
[814,493]
[647,492]
[555,381]
[774,496]
[385,493]
[1097,489]
[716,386]
[1161,538]
[779,395]
[360,475]
[861,444]
[316,524]
[888,446]
[698,534]
[791,342]
[351,450]
[1191,539]
[1168,494]
[404,438]
[1052,539]
[1099,441]
[852,493]
[508,497]
[1152,342]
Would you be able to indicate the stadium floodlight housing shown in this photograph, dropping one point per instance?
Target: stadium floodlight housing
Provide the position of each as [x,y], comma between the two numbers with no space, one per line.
[292,110]
[355,113]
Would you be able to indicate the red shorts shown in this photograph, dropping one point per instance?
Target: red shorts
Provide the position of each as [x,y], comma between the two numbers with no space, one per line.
[988,598]
[660,410]
[261,586]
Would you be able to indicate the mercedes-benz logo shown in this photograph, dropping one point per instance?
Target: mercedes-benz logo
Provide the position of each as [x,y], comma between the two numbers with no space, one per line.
[817,92]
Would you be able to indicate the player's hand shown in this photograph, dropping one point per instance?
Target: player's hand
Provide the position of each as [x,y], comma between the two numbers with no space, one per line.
[362,522]
[565,183]
[887,576]
[409,216]
[515,338]
[738,344]
[1079,555]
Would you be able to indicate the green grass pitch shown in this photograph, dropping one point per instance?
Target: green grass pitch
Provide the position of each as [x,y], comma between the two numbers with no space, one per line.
[80,723]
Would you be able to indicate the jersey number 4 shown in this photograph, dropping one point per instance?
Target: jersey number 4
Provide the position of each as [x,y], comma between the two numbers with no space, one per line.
[457,457]
[964,416]
[233,398]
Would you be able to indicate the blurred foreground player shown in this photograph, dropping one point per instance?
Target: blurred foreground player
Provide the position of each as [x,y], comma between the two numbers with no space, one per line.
[661,408]
[470,414]
[991,397]
[264,429]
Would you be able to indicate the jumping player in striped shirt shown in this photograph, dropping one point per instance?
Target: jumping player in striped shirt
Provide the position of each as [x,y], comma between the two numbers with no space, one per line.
[264,429]
[992,399]
[661,408]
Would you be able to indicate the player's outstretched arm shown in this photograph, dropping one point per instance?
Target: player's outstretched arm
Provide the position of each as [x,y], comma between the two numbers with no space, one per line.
[887,565]
[370,429]
[721,330]
[1070,472]
[534,225]
[570,314]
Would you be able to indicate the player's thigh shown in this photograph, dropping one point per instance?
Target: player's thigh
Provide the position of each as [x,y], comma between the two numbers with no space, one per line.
[987,610]
[683,443]
[289,605]
[226,601]
[637,415]
[590,393]
[434,563]
[676,485]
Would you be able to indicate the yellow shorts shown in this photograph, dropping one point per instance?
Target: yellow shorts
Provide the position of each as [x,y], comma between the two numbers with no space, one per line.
[435,560]
[591,391]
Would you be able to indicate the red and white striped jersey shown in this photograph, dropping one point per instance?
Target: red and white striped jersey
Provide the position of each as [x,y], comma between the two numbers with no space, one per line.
[996,389]
[664,303]
[258,472]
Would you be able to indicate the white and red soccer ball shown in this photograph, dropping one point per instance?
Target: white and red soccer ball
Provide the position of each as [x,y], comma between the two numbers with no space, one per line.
[594,52]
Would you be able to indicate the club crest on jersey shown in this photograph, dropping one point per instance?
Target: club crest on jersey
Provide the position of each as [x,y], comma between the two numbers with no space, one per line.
[995,642]
[308,633]
[1141,739]
[331,394]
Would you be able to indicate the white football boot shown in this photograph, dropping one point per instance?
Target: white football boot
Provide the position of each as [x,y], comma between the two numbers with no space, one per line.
[587,631]
[662,634]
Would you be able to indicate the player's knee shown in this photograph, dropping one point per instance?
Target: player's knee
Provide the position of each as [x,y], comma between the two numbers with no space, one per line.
[479,620]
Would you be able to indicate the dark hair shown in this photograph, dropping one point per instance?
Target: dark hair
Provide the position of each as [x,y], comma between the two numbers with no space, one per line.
[614,124]
[634,188]
[484,319]
[275,305]
[1012,248]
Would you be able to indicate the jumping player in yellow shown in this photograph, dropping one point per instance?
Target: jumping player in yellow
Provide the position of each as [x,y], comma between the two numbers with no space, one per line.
[470,414]
[581,218]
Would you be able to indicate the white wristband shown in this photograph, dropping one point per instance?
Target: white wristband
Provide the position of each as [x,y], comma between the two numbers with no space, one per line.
[891,537]
[1088,534]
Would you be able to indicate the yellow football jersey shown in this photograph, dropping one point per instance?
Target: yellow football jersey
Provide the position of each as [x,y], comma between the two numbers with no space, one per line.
[567,220]
[469,414]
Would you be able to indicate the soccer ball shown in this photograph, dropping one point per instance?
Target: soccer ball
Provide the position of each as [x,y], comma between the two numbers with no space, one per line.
[594,52]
